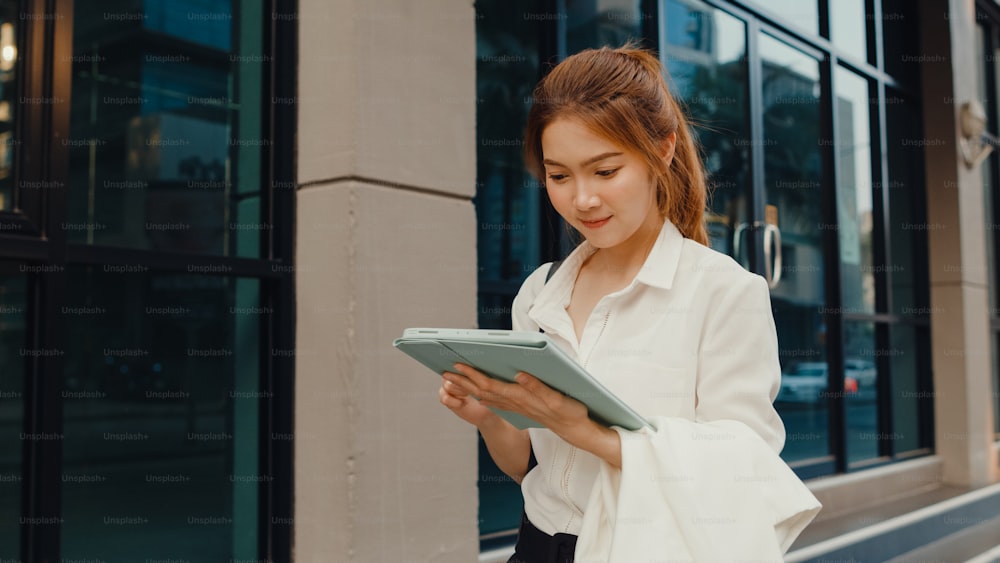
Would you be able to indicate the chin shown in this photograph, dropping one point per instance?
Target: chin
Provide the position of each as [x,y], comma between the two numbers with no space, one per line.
[604,240]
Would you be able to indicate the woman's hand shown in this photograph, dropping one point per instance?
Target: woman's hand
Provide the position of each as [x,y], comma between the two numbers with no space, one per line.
[459,402]
[508,446]
[529,397]
[563,415]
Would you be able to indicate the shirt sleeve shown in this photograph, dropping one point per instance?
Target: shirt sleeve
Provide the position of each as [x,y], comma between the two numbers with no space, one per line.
[519,319]
[739,373]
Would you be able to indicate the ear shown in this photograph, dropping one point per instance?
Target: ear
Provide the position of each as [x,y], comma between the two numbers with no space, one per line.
[667,148]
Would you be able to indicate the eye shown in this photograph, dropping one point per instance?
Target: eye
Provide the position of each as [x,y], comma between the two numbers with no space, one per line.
[557,177]
[607,173]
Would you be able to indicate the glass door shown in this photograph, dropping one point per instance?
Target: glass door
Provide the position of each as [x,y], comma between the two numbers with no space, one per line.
[764,156]
[791,233]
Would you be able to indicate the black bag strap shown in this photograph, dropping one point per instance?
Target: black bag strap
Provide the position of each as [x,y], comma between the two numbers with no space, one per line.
[532,462]
[548,275]
[552,269]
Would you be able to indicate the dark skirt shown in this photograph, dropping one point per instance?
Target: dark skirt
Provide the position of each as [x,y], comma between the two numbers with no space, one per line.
[535,546]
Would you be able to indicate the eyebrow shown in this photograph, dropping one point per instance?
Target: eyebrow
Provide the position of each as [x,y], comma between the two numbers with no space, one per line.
[589,161]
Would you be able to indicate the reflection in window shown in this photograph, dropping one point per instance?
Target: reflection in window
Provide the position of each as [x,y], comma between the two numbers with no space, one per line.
[508,203]
[905,367]
[9,30]
[995,344]
[907,270]
[706,58]
[13,301]
[854,192]
[793,189]
[165,143]
[593,23]
[860,376]
[988,49]
[161,399]
[508,199]
[801,13]
[849,28]
[900,39]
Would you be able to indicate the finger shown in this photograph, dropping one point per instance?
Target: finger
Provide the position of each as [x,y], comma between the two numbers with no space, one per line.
[535,386]
[446,399]
[482,385]
[454,389]
[527,380]
[494,393]
[461,382]
[451,400]
[552,399]
[475,376]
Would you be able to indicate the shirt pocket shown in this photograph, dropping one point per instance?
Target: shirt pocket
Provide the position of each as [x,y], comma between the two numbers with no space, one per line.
[653,389]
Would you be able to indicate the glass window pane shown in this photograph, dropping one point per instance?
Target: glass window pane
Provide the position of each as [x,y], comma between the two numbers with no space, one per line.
[860,392]
[508,200]
[802,402]
[854,192]
[593,23]
[705,56]
[793,188]
[987,94]
[901,41]
[995,343]
[161,402]
[987,41]
[907,269]
[907,396]
[990,104]
[801,13]
[849,28]
[10,11]
[166,141]
[13,302]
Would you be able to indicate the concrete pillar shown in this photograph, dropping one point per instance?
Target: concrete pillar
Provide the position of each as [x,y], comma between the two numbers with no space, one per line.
[386,239]
[957,242]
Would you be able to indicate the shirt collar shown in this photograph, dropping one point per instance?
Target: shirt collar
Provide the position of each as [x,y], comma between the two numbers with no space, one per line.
[657,271]
[660,266]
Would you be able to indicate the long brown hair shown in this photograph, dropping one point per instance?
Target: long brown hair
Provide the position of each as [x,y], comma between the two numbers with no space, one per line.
[621,94]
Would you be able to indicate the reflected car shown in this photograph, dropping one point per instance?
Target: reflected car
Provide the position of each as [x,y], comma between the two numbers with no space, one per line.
[805,382]
[862,370]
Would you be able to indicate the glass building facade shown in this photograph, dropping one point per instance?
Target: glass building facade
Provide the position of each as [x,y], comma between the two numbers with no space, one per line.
[145,281]
[808,122]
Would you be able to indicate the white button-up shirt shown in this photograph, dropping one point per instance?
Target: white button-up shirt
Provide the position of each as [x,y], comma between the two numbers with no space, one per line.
[691,336]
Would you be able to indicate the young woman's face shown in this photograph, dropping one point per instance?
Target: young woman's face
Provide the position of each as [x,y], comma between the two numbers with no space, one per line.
[603,190]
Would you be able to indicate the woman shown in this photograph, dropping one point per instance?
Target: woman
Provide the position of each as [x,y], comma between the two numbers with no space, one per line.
[671,326]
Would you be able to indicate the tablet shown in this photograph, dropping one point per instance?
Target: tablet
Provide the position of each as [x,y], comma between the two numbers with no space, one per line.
[501,354]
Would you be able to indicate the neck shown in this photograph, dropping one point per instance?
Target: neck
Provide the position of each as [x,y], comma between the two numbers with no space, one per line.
[628,257]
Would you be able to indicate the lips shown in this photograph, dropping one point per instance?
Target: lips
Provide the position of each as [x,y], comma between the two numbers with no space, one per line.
[596,224]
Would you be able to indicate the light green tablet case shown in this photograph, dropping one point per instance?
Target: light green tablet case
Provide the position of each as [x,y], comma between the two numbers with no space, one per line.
[503,353]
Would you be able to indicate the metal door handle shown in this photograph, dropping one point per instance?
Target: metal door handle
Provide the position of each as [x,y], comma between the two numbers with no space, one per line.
[772,269]
[737,240]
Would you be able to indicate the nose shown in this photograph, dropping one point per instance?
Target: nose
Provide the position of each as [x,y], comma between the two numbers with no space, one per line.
[586,196]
